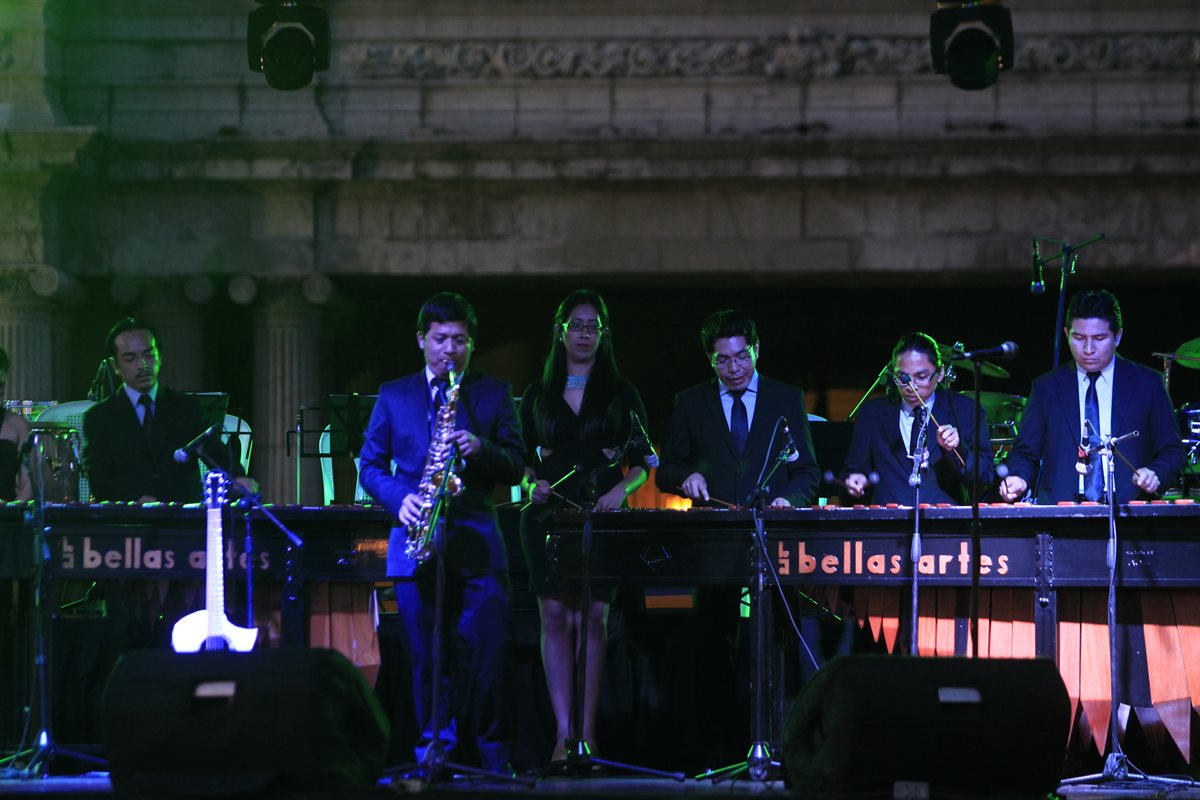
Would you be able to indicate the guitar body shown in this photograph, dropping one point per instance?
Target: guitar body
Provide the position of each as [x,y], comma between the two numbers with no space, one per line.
[209,628]
[190,635]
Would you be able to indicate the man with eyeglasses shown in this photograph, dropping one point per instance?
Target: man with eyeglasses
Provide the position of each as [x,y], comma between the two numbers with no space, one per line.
[723,431]
[887,430]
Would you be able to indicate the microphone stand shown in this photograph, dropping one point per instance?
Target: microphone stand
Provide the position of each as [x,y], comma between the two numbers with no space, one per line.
[44,749]
[293,612]
[1068,254]
[579,759]
[759,762]
[914,480]
[976,521]
[433,762]
[1117,766]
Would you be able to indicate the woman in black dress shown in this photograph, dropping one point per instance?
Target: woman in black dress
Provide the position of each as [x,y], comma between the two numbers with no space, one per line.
[576,417]
[14,432]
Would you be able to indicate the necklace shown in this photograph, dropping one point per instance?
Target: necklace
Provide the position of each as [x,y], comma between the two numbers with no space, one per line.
[576,382]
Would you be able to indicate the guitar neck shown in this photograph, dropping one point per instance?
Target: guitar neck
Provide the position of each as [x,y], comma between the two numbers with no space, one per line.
[214,573]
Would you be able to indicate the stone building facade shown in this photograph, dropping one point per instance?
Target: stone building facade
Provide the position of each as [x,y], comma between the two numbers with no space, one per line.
[144,168]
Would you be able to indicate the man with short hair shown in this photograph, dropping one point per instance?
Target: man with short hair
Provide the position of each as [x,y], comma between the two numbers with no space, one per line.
[486,434]
[724,430]
[1075,408]
[130,438]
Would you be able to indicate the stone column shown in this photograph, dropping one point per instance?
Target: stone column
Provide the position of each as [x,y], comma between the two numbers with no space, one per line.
[28,96]
[34,330]
[181,331]
[287,333]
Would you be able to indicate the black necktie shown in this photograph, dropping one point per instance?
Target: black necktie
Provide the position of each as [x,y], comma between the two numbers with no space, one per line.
[147,416]
[1093,483]
[915,433]
[739,423]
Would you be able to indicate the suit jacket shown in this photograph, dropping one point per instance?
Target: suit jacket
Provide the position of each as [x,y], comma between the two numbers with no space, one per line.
[121,465]
[699,441]
[1050,432]
[877,446]
[393,458]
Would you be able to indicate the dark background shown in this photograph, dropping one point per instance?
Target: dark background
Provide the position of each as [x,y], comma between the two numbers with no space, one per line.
[830,337]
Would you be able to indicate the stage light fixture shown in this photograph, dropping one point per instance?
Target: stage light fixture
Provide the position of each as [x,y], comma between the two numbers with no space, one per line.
[287,40]
[972,42]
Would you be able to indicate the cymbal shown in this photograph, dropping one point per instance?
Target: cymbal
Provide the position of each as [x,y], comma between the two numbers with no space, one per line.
[1188,354]
[1000,407]
[986,368]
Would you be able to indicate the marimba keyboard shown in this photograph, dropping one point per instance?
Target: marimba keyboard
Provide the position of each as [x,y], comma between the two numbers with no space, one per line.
[1037,546]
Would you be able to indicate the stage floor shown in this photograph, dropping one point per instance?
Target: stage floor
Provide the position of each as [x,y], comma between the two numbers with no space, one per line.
[599,786]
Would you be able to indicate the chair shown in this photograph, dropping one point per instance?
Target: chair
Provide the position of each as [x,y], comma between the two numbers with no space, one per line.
[230,428]
[323,444]
[236,426]
[65,420]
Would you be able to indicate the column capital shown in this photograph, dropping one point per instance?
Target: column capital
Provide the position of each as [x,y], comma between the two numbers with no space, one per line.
[33,283]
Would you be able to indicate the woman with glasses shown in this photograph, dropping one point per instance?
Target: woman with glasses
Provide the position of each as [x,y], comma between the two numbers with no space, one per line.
[575,420]
[917,420]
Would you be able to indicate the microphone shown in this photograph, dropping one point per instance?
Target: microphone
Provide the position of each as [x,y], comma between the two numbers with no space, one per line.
[1037,286]
[1006,350]
[644,440]
[792,450]
[185,453]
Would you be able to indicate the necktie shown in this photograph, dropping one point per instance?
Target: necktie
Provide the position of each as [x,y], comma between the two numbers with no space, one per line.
[1093,483]
[915,433]
[147,416]
[739,423]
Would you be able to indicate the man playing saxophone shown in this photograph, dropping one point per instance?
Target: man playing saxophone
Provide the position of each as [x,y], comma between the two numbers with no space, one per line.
[420,425]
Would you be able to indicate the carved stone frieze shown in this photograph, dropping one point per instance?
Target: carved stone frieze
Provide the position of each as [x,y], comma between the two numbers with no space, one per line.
[799,55]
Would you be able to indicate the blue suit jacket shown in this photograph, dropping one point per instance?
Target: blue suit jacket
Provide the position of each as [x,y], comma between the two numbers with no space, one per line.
[393,459]
[877,446]
[1050,428]
[700,441]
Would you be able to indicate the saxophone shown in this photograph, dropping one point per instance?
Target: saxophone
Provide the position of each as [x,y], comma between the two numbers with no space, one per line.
[438,470]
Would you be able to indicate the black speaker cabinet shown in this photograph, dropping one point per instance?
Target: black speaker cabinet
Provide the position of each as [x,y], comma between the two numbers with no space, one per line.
[217,723]
[864,723]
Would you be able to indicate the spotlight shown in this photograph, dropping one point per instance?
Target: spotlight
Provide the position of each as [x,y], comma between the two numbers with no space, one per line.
[972,41]
[287,40]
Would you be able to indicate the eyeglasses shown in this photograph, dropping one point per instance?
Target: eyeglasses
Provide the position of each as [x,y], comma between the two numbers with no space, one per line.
[590,328]
[919,377]
[744,357]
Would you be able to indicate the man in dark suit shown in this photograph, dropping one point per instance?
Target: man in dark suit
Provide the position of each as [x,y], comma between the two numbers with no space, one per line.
[1075,408]
[887,427]
[724,430]
[486,433]
[130,438]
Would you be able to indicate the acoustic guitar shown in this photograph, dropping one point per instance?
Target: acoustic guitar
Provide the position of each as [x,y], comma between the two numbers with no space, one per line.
[209,628]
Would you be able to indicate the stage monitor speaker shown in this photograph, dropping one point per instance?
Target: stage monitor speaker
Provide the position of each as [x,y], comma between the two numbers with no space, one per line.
[214,724]
[867,723]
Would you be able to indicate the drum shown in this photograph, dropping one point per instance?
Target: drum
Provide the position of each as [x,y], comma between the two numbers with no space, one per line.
[1003,416]
[58,454]
[1003,413]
